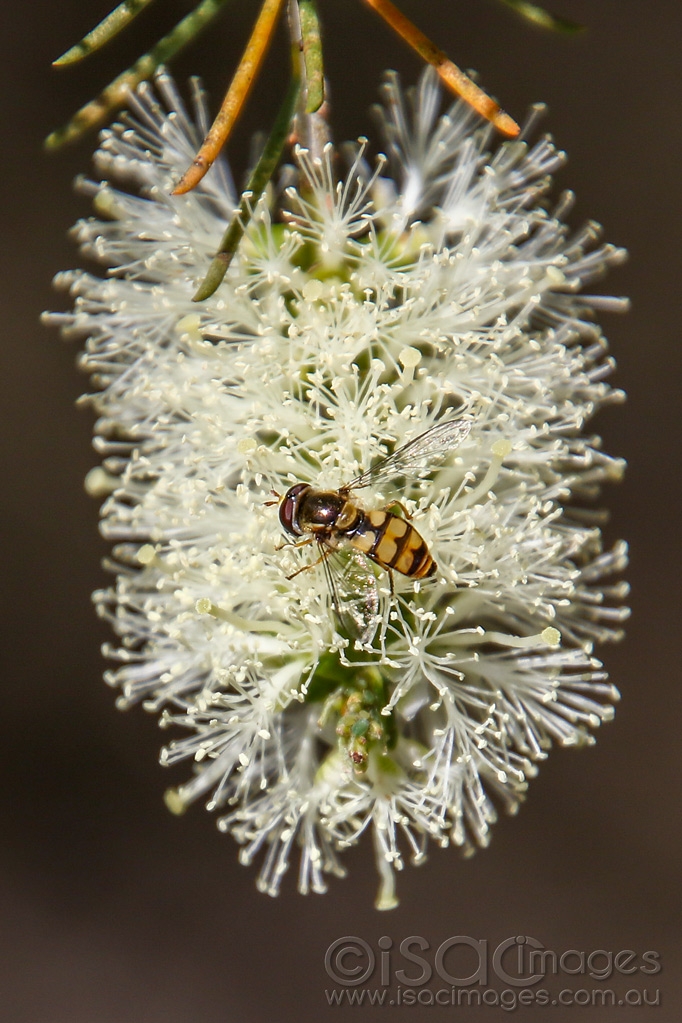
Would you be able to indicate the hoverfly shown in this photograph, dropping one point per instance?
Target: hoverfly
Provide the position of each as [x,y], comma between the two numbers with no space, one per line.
[334,520]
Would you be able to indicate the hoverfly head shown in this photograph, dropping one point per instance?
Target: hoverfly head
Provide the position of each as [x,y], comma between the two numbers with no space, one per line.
[288,509]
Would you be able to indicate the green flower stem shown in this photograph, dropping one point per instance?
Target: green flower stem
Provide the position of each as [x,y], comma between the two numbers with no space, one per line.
[109,27]
[97,112]
[257,183]
[312,55]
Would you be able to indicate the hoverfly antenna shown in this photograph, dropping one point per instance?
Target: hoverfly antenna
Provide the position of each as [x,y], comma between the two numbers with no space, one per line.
[278,498]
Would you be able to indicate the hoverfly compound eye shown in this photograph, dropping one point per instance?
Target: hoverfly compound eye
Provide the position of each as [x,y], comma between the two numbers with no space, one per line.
[289,507]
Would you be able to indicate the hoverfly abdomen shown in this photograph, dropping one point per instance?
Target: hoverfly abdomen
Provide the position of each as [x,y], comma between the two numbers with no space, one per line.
[394,544]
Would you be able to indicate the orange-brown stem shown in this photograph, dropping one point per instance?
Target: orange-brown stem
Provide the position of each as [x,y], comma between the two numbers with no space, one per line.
[455,79]
[236,95]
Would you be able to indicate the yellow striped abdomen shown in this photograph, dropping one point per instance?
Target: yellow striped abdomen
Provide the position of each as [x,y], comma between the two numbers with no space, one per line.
[393,543]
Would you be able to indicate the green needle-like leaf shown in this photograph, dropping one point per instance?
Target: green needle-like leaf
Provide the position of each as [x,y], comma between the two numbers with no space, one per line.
[109,27]
[257,184]
[98,111]
[542,18]
[312,55]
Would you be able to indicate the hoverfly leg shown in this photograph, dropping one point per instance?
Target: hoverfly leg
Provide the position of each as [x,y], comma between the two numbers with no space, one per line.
[391,582]
[322,557]
[397,504]
[299,543]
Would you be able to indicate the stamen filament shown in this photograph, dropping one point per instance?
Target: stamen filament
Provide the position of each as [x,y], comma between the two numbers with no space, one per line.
[177,800]
[204,606]
[386,896]
[471,637]
[500,451]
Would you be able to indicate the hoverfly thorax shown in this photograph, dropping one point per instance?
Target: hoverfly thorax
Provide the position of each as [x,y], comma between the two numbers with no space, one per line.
[319,510]
[304,510]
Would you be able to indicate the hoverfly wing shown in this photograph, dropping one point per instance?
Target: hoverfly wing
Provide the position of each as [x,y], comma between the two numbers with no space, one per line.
[354,593]
[360,597]
[416,458]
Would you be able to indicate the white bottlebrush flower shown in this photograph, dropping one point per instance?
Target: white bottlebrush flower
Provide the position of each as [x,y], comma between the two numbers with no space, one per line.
[361,309]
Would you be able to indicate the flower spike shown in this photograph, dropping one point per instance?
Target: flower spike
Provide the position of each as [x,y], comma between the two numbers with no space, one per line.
[236,95]
[98,111]
[451,75]
[316,700]
[101,34]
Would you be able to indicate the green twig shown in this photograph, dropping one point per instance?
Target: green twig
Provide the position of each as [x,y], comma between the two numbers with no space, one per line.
[97,112]
[109,27]
[542,18]
[312,55]
[257,183]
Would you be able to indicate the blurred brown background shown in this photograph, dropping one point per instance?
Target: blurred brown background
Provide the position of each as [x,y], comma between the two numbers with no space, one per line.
[110,909]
